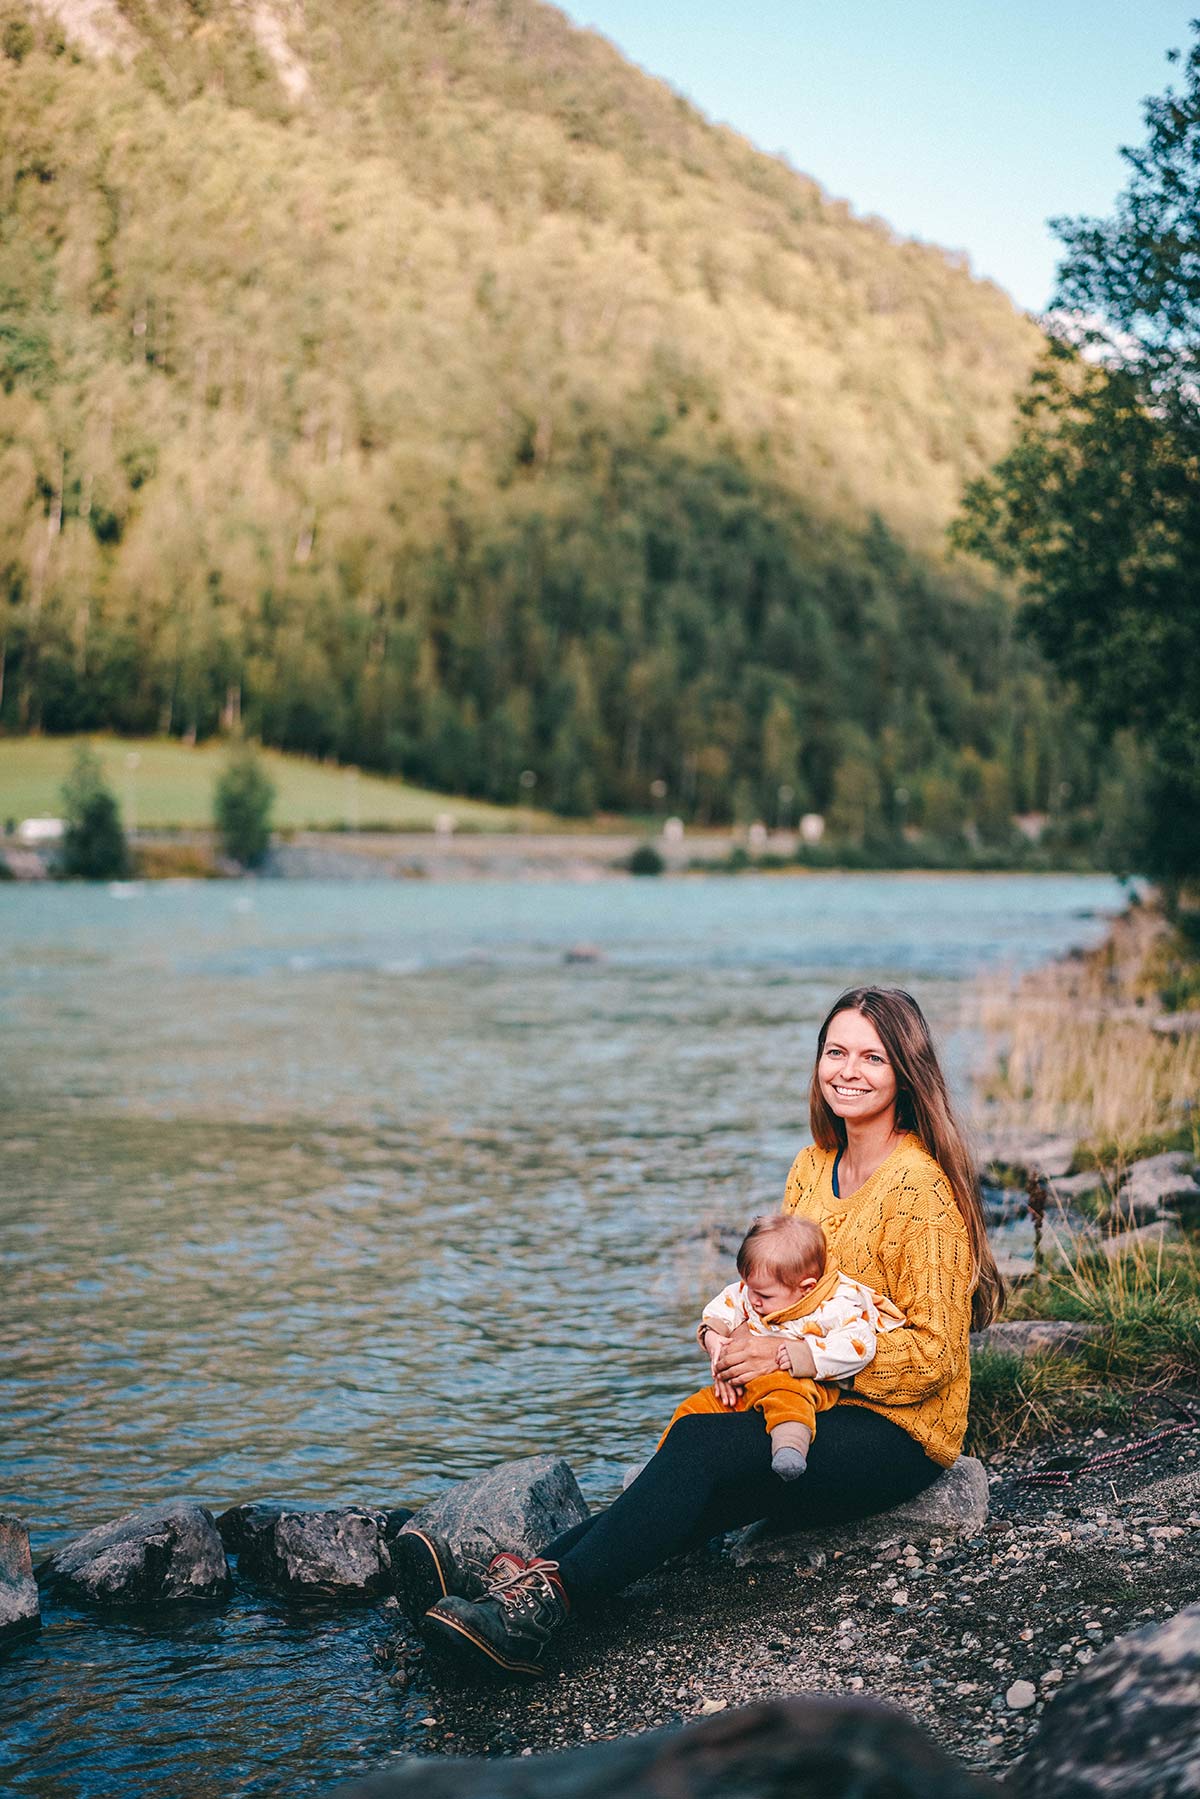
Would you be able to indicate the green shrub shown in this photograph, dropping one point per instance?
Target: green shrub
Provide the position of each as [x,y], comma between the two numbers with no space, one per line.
[242,803]
[646,860]
[93,846]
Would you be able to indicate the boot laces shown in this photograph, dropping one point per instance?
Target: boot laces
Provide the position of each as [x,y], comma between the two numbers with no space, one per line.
[525,1589]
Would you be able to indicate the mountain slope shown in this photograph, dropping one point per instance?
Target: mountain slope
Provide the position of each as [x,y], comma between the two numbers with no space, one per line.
[436,390]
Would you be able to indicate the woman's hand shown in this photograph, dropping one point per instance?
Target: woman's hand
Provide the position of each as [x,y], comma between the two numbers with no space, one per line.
[743,1356]
[726,1392]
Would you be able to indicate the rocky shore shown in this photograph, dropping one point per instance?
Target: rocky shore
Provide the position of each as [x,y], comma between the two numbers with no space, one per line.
[975,1615]
[975,1637]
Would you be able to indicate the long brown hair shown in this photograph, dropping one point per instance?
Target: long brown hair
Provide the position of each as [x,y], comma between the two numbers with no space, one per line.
[922,1107]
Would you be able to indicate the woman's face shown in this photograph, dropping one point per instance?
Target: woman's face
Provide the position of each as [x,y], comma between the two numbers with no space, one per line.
[857,1080]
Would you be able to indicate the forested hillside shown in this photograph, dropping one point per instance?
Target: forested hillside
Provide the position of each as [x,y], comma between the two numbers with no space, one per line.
[422,385]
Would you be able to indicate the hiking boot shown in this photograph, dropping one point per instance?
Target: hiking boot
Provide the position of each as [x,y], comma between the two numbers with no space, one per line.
[507,1629]
[426,1569]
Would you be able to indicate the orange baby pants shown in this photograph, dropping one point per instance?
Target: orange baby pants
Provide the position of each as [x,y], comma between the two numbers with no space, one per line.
[781,1398]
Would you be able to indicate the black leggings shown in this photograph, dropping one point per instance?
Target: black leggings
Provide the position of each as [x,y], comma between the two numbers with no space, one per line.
[713,1474]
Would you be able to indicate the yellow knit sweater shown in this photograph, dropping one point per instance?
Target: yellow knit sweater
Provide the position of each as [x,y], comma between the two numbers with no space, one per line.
[903,1234]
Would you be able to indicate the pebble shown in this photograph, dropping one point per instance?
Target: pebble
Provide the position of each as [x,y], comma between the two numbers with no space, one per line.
[1020,1695]
[712,1705]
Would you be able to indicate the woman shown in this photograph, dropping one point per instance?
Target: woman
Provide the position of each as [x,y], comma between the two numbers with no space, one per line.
[890,1181]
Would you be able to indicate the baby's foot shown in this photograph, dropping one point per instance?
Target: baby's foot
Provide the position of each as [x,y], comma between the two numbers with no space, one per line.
[789,1464]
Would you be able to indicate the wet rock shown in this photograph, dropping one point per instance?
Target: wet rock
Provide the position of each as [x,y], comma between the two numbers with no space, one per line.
[521,1505]
[394,1520]
[1127,1723]
[816,1747]
[1034,1336]
[341,1553]
[170,1551]
[19,1611]
[956,1505]
[243,1524]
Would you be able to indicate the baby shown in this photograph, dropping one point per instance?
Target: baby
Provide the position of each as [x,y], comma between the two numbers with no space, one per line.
[787,1291]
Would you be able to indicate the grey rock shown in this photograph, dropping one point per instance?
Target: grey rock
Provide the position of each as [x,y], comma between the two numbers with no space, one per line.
[1146,1236]
[170,1551]
[1127,1724]
[956,1505]
[1155,1183]
[395,1518]
[1028,1152]
[243,1524]
[520,1505]
[814,1747]
[1034,1336]
[340,1553]
[1067,1188]
[19,1610]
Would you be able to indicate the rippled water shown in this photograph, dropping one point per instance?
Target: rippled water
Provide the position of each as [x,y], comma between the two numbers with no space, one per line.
[344,1192]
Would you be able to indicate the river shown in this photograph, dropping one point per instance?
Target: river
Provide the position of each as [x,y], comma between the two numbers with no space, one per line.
[341,1192]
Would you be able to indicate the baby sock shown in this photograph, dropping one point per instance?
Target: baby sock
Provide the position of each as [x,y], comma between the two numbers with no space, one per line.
[789,1450]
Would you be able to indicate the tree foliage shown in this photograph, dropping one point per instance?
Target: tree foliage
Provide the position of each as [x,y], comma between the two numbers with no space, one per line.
[1097,504]
[477,408]
[242,801]
[93,845]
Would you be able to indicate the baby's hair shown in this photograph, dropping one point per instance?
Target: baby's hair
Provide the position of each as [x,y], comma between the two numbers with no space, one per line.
[782,1244]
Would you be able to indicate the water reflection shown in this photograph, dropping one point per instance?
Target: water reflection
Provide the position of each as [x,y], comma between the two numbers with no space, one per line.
[350,1192]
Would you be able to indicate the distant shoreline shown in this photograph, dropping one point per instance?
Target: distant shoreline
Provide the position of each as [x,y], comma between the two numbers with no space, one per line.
[581,855]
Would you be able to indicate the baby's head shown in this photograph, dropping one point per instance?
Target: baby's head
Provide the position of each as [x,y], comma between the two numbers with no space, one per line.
[781,1259]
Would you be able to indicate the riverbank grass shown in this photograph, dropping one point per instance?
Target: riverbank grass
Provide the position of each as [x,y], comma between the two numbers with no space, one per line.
[1144,1310]
[1097,1046]
[1087,1046]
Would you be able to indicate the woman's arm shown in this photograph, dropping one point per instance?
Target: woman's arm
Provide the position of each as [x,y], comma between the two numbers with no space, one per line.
[929,1278]
[743,1356]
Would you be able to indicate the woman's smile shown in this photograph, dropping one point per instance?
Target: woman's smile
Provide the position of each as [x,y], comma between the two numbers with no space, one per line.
[855,1071]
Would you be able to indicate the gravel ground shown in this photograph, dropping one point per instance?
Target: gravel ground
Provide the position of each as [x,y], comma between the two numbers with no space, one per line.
[972,1638]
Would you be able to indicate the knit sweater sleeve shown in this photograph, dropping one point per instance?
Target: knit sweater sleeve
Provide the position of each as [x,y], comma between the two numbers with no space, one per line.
[927,1272]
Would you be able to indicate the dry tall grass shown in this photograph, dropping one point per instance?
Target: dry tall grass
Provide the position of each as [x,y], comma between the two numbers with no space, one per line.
[1072,1047]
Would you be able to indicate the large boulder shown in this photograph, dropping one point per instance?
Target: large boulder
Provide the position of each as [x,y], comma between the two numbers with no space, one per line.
[956,1505]
[19,1611]
[170,1551]
[1127,1726]
[1157,1184]
[341,1553]
[520,1505]
[815,1747]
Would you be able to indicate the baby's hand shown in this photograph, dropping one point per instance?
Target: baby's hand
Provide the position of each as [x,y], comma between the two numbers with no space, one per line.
[727,1393]
[782,1359]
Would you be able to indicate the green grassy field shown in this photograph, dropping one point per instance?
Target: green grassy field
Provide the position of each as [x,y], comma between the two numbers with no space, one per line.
[161,783]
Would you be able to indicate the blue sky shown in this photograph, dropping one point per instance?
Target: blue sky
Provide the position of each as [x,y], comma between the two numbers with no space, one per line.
[965,122]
